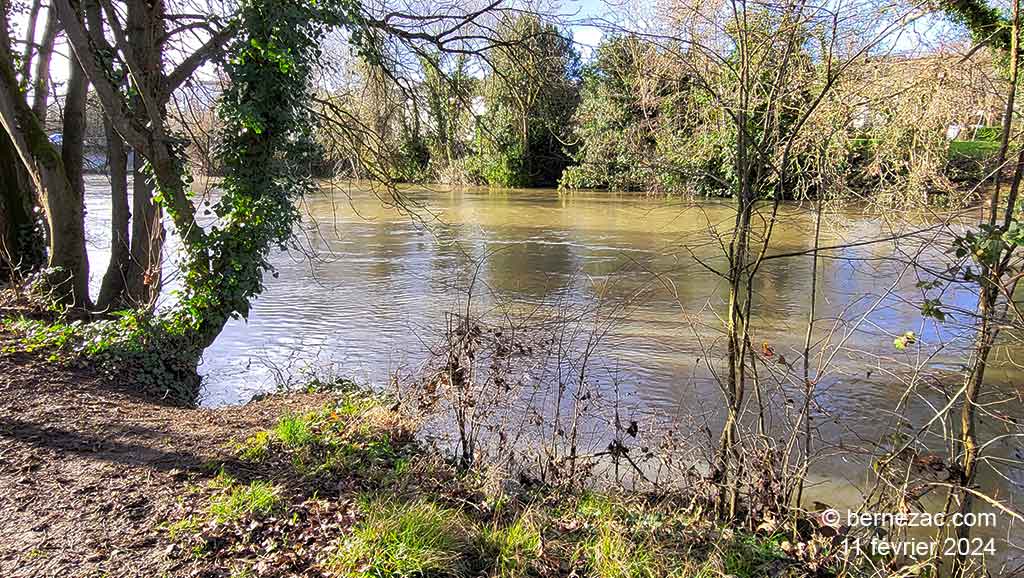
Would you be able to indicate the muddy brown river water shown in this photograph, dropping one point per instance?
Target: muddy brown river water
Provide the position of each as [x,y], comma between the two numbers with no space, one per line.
[370,292]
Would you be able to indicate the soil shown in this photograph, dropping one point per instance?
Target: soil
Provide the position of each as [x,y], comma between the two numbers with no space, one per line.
[89,471]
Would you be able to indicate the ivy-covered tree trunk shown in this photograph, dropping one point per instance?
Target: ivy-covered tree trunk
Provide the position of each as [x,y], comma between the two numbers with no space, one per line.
[266,152]
[22,246]
[267,149]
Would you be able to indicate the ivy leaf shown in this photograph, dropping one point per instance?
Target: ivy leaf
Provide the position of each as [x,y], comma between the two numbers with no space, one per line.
[932,308]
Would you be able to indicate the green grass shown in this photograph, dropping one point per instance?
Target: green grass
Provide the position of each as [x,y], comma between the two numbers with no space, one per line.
[514,549]
[596,506]
[747,556]
[610,551]
[967,149]
[182,528]
[610,554]
[222,481]
[243,572]
[295,431]
[318,384]
[399,539]
[404,530]
[351,406]
[39,335]
[256,448]
[352,435]
[258,497]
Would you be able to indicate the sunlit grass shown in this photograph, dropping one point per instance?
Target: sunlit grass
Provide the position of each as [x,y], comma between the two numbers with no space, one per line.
[355,447]
[183,528]
[354,434]
[255,448]
[595,506]
[294,431]
[258,497]
[399,539]
[611,554]
[515,549]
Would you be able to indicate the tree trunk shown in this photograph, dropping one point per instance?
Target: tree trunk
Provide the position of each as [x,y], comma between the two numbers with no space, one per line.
[72,154]
[112,290]
[72,150]
[147,238]
[988,315]
[145,28]
[67,256]
[1004,139]
[114,286]
[41,84]
[22,246]
[30,39]
[736,329]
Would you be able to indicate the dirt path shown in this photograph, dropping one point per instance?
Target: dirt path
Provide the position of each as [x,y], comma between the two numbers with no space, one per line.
[88,473]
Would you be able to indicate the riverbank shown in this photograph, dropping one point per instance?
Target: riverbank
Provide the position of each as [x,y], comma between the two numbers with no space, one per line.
[98,481]
[89,472]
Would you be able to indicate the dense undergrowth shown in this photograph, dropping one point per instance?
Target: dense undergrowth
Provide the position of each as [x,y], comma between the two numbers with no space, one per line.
[126,346]
[347,490]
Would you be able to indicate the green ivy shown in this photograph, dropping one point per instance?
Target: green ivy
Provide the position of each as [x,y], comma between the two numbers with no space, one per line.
[267,151]
[986,23]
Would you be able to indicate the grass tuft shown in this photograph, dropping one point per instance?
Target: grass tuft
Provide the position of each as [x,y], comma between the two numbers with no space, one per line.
[748,555]
[596,506]
[398,539]
[610,554]
[356,435]
[294,431]
[515,549]
[255,448]
[258,497]
[183,528]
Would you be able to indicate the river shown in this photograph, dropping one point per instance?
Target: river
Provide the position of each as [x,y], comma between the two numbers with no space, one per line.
[368,294]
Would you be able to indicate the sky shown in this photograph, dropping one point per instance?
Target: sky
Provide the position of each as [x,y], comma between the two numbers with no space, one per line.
[576,13]
[583,17]
[586,37]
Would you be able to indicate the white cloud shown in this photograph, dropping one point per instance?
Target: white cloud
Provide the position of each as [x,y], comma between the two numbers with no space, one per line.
[586,38]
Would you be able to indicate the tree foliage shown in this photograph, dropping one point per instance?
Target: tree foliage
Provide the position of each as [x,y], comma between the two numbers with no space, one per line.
[529,96]
[631,118]
[986,23]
